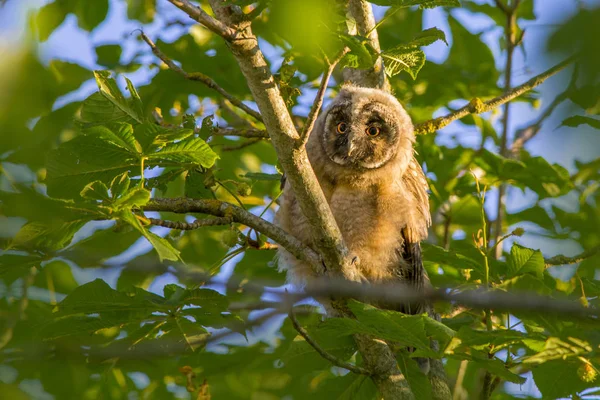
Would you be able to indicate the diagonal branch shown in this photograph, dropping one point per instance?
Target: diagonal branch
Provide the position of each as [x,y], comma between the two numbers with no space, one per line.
[318,103]
[199,15]
[477,106]
[199,77]
[323,353]
[188,226]
[182,205]
[247,133]
[564,260]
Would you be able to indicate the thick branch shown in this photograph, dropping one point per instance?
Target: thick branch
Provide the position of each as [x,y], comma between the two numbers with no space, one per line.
[362,12]
[200,77]
[564,260]
[294,160]
[222,209]
[332,359]
[477,106]
[199,15]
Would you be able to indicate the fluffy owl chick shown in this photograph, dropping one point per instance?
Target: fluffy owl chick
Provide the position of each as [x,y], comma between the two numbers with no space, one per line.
[361,150]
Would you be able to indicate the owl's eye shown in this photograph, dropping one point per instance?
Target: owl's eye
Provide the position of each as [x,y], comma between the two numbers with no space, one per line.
[372,131]
[342,128]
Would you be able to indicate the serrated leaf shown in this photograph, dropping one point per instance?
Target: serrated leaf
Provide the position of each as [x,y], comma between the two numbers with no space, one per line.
[100,154]
[359,56]
[95,191]
[417,380]
[97,109]
[427,37]
[163,248]
[45,236]
[525,261]
[390,325]
[119,185]
[109,89]
[400,59]
[134,198]
[189,151]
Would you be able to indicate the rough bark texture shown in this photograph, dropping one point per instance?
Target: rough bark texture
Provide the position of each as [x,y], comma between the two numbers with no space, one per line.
[362,13]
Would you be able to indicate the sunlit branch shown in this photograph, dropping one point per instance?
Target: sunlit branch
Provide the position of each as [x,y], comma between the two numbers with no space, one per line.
[188,226]
[477,106]
[199,15]
[200,77]
[323,353]
[182,205]
[564,260]
[316,107]
[246,133]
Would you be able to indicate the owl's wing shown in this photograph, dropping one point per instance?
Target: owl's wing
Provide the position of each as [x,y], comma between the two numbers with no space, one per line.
[411,270]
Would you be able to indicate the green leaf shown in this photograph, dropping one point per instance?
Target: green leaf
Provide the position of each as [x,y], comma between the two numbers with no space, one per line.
[141,10]
[400,59]
[189,151]
[417,380]
[439,255]
[390,325]
[559,349]
[427,37]
[163,248]
[97,109]
[525,261]
[90,14]
[14,266]
[559,379]
[109,55]
[109,89]
[48,18]
[95,191]
[360,388]
[57,276]
[359,56]
[119,185]
[46,237]
[577,120]
[134,198]
[100,154]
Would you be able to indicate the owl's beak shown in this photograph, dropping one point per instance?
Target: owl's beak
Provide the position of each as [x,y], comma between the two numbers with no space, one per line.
[351,148]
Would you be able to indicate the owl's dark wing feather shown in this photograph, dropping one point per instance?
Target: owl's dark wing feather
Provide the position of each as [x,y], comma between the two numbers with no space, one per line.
[411,270]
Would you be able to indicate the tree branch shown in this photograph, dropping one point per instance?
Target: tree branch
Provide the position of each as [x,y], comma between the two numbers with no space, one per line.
[241,145]
[332,359]
[477,106]
[316,107]
[182,205]
[199,77]
[247,133]
[199,15]
[362,12]
[564,260]
[188,226]
[276,117]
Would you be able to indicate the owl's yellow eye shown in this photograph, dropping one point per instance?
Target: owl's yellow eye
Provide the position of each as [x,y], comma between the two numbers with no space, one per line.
[372,131]
[342,128]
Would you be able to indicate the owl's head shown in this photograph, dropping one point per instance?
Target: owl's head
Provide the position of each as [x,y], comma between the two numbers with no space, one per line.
[365,129]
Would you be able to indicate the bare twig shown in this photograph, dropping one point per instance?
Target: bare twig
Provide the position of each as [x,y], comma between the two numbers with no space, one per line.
[241,145]
[316,107]
[247,133]
[188,226]
[477,106]
[329,357]
[219,208]
[199,77]
[213,24]
[564,260]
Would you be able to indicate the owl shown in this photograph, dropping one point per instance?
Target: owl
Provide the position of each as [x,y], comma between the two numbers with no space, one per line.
[361,150]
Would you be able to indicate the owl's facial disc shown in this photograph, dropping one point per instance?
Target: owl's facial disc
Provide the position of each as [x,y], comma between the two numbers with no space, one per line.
[360,138]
